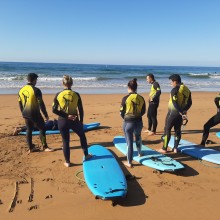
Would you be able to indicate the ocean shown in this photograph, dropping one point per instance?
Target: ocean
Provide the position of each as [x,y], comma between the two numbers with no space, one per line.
[103,79]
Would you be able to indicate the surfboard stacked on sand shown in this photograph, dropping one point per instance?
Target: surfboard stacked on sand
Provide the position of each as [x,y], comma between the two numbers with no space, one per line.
[86,127]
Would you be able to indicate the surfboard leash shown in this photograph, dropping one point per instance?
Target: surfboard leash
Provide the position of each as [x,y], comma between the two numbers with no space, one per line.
[79,178]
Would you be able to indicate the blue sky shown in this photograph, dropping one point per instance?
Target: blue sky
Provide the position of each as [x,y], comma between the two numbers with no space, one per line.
[150,32]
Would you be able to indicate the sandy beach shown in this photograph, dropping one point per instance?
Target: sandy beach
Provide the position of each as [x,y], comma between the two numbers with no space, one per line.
[194,193]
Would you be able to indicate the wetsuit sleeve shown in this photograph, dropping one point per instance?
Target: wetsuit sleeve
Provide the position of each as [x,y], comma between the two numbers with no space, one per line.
[143,110]
[189,104]
[123,107]
[41,102]
[80,108]
[158,92]
[217,102]
[174,92]
[55,108]
[20,104]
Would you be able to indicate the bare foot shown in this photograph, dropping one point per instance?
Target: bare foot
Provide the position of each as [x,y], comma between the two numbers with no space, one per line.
[175,150]
[140,155]
[151,133]
[146,131]
[162,151]
[67,164]
[128,164]
[87,157]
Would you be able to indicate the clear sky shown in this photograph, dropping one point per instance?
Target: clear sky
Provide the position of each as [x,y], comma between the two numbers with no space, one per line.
[145,32]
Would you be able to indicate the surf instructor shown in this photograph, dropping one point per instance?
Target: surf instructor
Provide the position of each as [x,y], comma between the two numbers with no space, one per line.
[132,109]
[31,102]
[179,103]
[154,99]
[68,106]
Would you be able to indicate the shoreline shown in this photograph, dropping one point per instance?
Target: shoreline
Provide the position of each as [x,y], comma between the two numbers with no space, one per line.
[100,91]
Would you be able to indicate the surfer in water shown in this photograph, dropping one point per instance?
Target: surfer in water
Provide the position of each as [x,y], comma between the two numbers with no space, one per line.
[68,106]
[213,121]
[179,103]
[132,109]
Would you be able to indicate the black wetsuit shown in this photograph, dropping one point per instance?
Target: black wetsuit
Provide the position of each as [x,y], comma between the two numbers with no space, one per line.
[31,102]
[154,99]
[49,125]
[213,121]
[67,103]
[180,102]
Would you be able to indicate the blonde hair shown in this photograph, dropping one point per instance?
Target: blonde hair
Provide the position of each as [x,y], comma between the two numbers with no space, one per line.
[67,80]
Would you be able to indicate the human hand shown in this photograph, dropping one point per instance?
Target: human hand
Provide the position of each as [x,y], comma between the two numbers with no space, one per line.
[72,117]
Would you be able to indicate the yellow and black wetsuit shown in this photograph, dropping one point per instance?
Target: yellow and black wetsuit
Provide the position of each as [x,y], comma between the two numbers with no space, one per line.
[31,103]
[213,121]
[66,103]
[179,103]
[132,109]
[154,99]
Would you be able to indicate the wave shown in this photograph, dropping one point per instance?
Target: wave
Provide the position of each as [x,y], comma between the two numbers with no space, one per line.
[204,75]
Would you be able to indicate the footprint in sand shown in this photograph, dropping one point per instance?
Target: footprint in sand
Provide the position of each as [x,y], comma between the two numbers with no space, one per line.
[47,179]
[33,207]
[49,197]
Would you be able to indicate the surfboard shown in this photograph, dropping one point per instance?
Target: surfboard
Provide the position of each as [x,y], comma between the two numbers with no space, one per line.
[86,127]
[218,134]
[197,151]
[150,158]
[103,175]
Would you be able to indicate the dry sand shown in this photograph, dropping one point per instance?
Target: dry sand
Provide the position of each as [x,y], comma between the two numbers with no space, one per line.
[58,194]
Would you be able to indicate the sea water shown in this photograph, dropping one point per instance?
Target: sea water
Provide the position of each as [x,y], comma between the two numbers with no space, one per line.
[103,79]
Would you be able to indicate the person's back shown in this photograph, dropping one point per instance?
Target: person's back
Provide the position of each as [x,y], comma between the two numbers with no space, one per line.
[134,104]
[31,102]
[28,101]
[180,99]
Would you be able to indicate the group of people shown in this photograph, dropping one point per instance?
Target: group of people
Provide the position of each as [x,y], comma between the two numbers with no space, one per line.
[133,107]
[68,106]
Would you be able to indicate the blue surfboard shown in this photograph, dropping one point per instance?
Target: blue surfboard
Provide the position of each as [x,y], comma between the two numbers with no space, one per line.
[86,127]
[150,158]
[218,134]
[103,175]
[197,151]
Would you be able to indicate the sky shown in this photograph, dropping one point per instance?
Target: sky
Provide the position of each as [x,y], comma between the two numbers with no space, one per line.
[127,32]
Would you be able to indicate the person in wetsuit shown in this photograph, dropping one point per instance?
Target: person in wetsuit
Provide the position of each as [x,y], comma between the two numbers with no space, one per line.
[179,103]
[213,121]
[132,109]
[31,103]
[68,106]
[49,125]
[154,99]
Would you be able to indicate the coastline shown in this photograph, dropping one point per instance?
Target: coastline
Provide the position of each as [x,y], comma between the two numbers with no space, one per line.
[193,194]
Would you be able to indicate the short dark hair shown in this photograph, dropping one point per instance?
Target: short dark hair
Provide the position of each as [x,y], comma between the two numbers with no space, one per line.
[151,76]
[175,77]
[31,77]
[132,84]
